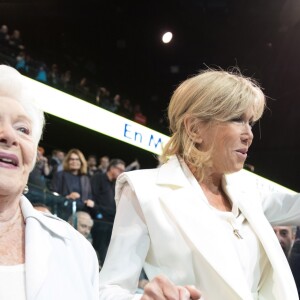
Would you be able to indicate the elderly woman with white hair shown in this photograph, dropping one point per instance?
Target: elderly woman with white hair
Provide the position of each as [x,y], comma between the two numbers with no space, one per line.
[194,224]
[41,256]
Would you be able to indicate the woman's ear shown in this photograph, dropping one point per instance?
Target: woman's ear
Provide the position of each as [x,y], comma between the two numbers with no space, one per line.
[193,128]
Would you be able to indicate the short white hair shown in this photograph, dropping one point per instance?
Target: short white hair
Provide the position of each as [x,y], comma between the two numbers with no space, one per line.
[12,85]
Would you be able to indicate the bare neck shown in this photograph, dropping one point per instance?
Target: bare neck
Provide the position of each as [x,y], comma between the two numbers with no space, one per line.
[213,190]
[9,207]
[12,233]
[213,183]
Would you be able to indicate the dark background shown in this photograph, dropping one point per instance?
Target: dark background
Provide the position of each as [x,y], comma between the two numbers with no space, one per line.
[117,44]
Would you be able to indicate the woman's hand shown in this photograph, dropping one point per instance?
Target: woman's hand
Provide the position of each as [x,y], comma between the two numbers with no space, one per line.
[89,203]
[161,288]
[73,196]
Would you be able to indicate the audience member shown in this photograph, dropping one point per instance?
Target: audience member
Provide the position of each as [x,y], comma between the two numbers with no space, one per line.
[103,191]
[66,81]
[4,36]
[116,104]
[56,161]
[42,74]
[82,89]
[286,237]
[15,42]
[125,109]
[92,165]
[41,169]
[82,222]
[138,116]
[38,177]
[21,64]
[53,76]
[73,184]
[103,163]
[102,97]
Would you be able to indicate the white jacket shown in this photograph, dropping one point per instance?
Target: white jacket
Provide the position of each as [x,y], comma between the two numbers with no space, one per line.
[60,264]
[166,225]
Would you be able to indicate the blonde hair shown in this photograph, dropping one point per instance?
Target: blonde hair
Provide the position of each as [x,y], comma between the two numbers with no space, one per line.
[212,95]
[83,167]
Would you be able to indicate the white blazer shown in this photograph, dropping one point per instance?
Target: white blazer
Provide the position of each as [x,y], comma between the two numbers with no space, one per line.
[60,263]
[175,233]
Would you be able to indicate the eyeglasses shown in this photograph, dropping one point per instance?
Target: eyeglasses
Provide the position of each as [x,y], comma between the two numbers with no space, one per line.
[120,169]
[74,159]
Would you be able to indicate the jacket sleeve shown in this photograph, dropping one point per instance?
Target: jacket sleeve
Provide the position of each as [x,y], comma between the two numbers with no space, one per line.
[282,208]
[127,250]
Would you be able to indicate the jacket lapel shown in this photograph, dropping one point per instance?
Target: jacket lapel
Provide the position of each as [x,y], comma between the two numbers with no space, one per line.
[252,210]
[38,246]
[37,257]
[197,222]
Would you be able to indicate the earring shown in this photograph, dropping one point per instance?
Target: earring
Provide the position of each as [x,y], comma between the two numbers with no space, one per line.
[26,190]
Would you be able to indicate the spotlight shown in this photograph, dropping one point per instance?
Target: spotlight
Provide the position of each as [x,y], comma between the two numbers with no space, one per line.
[167,37]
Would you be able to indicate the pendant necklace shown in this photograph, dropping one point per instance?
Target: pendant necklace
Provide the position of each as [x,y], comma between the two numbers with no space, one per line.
[235,231]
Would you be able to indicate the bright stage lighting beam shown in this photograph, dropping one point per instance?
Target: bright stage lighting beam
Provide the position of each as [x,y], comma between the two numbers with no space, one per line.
[80,112]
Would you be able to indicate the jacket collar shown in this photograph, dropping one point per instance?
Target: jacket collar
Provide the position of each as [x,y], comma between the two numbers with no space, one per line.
[171,174]
[51,222]
[40,231]
[198,222]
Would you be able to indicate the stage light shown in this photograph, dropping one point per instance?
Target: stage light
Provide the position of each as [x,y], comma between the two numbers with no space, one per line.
[167,37]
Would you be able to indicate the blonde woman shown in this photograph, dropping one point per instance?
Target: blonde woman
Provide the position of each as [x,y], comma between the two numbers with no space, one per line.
[193,224]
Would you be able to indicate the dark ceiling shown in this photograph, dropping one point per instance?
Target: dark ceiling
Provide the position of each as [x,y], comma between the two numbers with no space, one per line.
[117,44]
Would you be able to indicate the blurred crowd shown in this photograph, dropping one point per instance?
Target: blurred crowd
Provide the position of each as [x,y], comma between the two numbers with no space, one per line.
[65,78]
[79,190]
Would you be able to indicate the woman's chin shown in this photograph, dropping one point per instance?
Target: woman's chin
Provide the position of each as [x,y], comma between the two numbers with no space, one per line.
[9,186]
[234,169]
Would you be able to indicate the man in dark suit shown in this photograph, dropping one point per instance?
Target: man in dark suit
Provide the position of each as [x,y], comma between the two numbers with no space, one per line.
[104,207]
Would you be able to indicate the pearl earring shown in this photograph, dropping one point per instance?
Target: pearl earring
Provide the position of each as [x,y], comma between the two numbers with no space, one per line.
[26,190]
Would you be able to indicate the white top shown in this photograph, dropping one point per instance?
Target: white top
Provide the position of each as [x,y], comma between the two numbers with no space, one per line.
[12,280]
[249,250]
